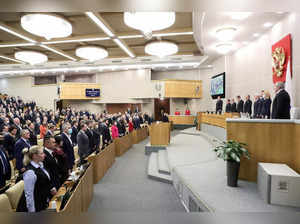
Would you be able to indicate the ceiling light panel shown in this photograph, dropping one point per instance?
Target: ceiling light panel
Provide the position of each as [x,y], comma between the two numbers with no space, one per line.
[31,57]
[76,40]
[226,33]
[46,25]
[224,48]
[161,48]
[91,53]
[98,20]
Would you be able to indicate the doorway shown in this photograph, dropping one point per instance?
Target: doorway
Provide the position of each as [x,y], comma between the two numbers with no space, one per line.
[160,105]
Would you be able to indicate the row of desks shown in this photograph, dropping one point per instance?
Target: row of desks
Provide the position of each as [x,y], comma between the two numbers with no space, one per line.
[99,164]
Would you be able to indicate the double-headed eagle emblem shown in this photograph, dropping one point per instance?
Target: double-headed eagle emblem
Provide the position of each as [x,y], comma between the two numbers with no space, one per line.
[278,60]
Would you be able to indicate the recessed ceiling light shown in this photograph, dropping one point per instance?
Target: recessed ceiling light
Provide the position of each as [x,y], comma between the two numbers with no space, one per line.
[91,53]
[224,48]
[149,21]
[226,33]
[256,34]
[267,25]
[240,15]
[161,48]
[32,57]
[46,25]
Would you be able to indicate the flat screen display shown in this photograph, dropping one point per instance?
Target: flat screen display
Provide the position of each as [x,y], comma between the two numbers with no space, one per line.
[92,92]
[217,86]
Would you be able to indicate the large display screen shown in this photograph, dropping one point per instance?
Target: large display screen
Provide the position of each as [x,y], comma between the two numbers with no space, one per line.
[217,86]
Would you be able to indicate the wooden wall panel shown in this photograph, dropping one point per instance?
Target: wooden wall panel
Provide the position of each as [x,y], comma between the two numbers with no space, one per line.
[177,119]
[183,89]
[267,142]
[76,91]
[296,155]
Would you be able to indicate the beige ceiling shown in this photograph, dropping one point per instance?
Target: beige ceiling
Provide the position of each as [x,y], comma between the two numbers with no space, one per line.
[84,27]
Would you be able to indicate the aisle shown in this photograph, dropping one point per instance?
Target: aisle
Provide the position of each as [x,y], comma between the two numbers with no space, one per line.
[126,188]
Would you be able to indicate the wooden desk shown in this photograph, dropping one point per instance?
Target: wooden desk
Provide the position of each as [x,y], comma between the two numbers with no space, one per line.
[215,119]
[269,141]
[102,162]
[160,134]
[182,119]
[122,144]
[139,135]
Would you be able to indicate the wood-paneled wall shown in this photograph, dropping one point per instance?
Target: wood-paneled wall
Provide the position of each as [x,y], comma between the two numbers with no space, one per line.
[183,88]
[187,120]
[266,142]
[215,119]
[76,91]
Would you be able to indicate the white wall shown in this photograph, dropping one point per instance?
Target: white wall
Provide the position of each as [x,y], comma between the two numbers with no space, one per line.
[23,86]
[193,74]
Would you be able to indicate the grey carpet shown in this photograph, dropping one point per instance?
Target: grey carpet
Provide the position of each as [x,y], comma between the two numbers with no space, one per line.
[126,187]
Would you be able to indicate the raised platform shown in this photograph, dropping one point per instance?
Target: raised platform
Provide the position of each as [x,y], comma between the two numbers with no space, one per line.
[153,172]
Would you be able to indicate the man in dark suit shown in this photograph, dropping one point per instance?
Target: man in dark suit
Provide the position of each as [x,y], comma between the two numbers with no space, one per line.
[83,143]
[281,103]
[32,138]
[74,132]
[19,129]
[219,105]
[240,105]
[68,145]
[5,169]
[22,143]
[256,107]
[248,106]
[50,162]
[165,118]
[89,133]
[228,106]
[233,106]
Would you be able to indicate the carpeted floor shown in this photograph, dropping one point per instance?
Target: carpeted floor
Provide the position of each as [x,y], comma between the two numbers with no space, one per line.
[126,188]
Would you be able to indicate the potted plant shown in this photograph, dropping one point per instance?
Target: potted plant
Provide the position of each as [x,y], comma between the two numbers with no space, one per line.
[231,151]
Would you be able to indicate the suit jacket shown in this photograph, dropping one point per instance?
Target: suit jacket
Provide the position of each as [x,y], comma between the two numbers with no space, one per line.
[228,108]
[96,139]
[5,169]
[255,108]
[233,107]
[266,108]
[52,166]
[219,106]
[74,135]
[240,106]
[248,107]
[89,133]
[32,138]
[20,145]
[281,105]
[9,145]
[83,144]
[68,150]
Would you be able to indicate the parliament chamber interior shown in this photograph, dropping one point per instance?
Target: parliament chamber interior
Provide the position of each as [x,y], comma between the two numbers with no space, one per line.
[159,111]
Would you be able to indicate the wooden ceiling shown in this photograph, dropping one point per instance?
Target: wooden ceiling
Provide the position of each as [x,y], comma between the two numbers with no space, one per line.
[83,27]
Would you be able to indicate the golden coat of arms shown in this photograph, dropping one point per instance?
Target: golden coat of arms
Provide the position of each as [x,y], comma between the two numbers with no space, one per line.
[278,60]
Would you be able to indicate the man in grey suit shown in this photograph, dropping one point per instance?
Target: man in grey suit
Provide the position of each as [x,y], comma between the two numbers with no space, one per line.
[83,143]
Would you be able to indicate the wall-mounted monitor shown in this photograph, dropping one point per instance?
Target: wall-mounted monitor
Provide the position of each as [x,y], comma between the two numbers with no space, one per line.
[217,86]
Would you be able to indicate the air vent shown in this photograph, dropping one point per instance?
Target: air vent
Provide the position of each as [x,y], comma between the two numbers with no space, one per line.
[116,61]
[63,64]
[146,59]
[16,66]
[40,66]
[176,59]
[89,63]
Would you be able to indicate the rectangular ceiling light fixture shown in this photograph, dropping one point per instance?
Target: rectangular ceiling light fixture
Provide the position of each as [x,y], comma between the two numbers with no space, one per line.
[172,34]
[124,47]
[58,52]
[76,40]
[15,33]
[11,59]
[17,45]
[96,18]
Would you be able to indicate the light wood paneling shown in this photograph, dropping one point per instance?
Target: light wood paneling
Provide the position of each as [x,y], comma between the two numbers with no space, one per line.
[266,142]
[139,135]
[296,155]
[178,119]
[183,89]
[215,119]
[122,144]
[199,120]
[76,91]
[160,134]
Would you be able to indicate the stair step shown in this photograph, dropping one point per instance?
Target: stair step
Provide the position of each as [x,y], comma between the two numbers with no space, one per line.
[153,170]
[163,165]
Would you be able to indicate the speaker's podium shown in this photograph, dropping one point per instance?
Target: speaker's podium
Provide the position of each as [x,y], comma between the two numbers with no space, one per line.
[159,137]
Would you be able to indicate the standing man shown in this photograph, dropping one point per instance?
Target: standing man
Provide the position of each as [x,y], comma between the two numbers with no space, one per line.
[219,105]
[5,169]
[21,144]
[240,105]
[74,132]
[233,106]
[248,106]
[281,103]
[228,106]
[68,145]
[83,143]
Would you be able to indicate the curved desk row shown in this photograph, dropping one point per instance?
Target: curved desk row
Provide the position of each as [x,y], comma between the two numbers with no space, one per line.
[269,141]
[82,195]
